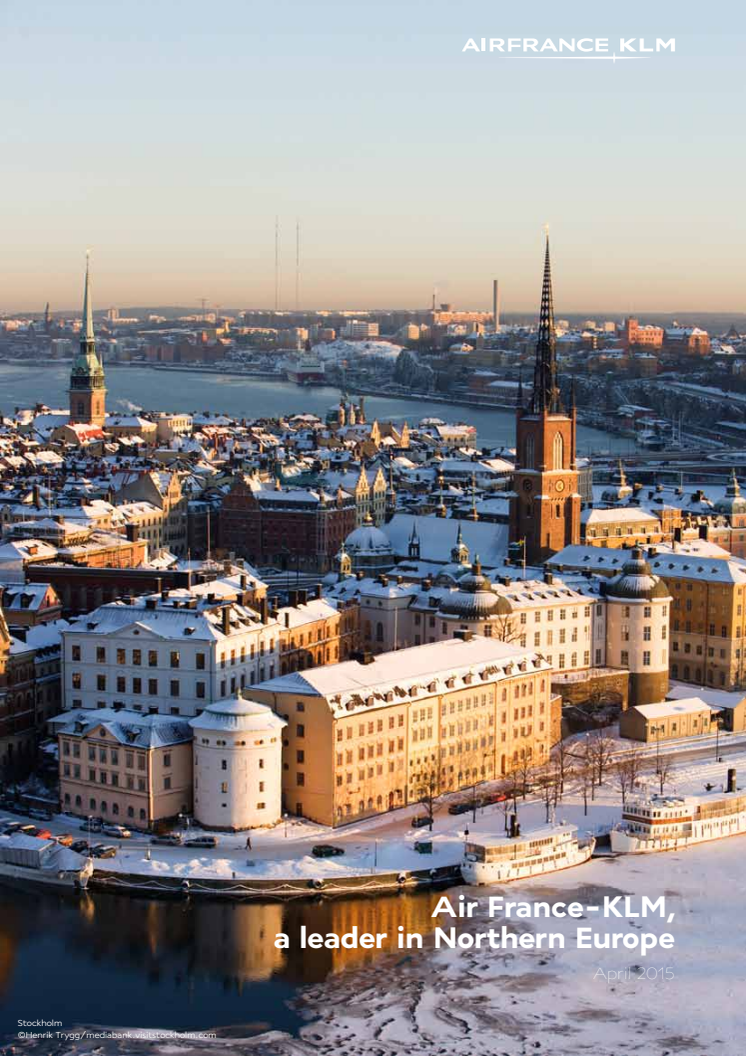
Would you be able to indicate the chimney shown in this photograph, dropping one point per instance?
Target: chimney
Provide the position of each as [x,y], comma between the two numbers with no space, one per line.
[287,619]
[226,615]
[164,594]
[704,531]
[264,609]
[731,779]
[244,580]
[549,578]
[302,597]
[292,598]
[363,656]
[463,636]
[132,532]
[317,592]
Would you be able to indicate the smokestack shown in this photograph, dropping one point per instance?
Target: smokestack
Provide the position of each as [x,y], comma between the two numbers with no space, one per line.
[496,304]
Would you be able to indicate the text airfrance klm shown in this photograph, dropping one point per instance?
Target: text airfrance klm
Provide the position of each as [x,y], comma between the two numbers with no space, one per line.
[593,45]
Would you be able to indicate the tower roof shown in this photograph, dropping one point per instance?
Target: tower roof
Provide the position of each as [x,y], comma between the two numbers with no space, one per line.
[546,396]
[87,364]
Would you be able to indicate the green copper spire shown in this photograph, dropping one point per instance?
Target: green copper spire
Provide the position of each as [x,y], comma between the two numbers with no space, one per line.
[87,369]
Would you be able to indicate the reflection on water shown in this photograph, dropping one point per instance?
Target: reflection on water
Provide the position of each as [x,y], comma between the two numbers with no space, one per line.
[186,965]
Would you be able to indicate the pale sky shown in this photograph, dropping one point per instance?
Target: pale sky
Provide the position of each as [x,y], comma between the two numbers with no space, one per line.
[168,134]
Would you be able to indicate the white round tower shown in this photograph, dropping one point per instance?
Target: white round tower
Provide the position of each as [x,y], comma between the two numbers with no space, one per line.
[637,629]
[237,760]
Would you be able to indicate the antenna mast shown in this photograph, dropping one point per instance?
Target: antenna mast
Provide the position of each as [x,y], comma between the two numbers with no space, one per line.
[297,265]
[277,262]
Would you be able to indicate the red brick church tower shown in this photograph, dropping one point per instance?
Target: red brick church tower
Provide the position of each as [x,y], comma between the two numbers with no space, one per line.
[87,386]
[545,505]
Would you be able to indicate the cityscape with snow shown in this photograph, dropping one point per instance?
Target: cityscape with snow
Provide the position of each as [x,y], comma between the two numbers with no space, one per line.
[356,661]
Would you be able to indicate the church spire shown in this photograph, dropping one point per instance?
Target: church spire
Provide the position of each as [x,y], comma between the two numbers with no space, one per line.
[87,385]
[545,396]
[87,327]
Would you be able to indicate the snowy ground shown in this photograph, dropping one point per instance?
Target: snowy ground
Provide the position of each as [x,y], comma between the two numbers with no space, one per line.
[384,843]
[502,1003]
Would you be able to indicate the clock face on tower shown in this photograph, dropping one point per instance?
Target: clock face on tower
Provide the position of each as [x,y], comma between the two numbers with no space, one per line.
[559,486]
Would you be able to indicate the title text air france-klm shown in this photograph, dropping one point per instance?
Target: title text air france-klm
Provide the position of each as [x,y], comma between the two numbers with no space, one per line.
[587,45]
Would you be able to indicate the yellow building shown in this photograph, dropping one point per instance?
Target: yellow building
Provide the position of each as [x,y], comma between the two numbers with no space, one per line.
[123,766]
[373,734]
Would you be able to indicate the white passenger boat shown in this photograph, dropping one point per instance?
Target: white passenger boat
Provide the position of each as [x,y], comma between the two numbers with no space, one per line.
[490,859]
[27,860]
[671,823]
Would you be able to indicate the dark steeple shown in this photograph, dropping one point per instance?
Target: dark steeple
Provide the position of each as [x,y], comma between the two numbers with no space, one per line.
[546,396]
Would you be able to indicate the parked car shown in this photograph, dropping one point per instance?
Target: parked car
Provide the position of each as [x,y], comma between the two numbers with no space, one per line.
[326,850]
[168,839]
[64,840]
[496,797]
[460,808]
[420,820]
[13,826]
[80,846]
[116,830]
[43,834]
[202,841]
[29,830]
[94,825]
[104,850]
[39,814]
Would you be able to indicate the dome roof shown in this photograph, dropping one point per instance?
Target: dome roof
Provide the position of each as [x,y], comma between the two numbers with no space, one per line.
[367,539]
[474,599]
[732,502]
[636,581]
[238,713]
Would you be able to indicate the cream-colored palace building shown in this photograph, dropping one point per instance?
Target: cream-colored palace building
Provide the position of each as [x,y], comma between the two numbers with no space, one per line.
[369,735]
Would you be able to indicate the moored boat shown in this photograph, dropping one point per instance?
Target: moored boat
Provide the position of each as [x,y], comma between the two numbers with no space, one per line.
[28,860]
[669,823]
[491,859]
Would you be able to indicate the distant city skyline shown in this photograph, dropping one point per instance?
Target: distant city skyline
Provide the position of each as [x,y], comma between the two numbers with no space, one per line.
[169,143]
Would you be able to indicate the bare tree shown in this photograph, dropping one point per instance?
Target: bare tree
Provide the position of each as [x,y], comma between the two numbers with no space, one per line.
[602,749]
[506,628]
[586,774]
[523,771]
[547,777]
[627,772]
[665,766]
[428,792]
[563,762]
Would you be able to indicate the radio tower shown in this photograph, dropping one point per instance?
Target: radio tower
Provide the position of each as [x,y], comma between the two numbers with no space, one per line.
[297,265]
[277,262]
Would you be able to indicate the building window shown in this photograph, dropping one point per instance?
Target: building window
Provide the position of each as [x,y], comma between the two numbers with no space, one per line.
[76,652]
[136,657]
[300,780]
[100,682]
[77,680]
[174,687]
[646,659]
[153,687]
[175,659]
[200,691]
[200,661]
[100,654]
[152,658]
[300,730]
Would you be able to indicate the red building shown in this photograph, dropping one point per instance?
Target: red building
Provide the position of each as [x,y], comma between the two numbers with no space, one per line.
[296,528]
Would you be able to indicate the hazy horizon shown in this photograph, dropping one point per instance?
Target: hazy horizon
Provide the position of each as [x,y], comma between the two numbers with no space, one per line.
[168,141]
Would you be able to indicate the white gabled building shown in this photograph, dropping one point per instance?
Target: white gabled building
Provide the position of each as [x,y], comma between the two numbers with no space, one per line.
[173,653]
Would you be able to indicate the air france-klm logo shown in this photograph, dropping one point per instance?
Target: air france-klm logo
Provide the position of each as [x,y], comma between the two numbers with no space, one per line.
[573,48]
